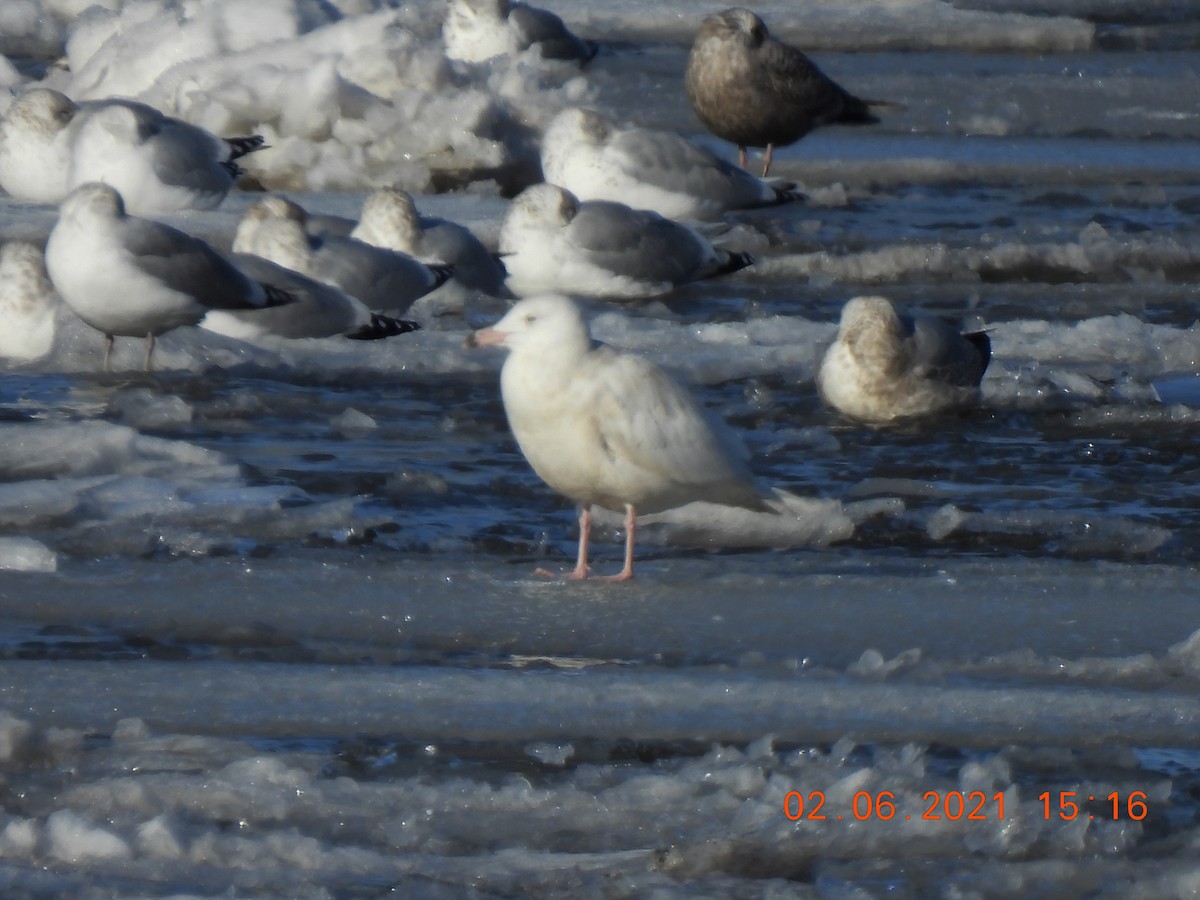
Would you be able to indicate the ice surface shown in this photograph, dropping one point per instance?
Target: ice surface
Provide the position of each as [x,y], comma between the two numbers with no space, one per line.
[272,627]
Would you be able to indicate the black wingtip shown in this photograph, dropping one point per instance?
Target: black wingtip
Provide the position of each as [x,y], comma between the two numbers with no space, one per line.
[441,274]
[240,146]
[734,262]
[383,327]
[983,344]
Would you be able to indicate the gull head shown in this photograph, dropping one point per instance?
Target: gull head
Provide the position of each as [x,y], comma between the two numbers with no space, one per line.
[549,324]
[576,125]
[246,238]
[94,200]
[389,220]
[42,109]
[737,23]
[541,206]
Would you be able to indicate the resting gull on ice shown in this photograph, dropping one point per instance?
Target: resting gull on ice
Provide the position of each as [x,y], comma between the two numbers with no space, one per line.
[885,367]
[50,145]
[319,310]
[551,242]
[608,428]
[29,307]
[277,230]
[748,88]
[586,153]
[478,30]
[389,219]
[136,277]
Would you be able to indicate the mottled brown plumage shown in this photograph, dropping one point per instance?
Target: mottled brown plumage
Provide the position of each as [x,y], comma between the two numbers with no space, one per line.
[748,88]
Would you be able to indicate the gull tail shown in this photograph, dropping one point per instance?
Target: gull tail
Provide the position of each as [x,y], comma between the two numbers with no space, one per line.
[383,327]
[441,274]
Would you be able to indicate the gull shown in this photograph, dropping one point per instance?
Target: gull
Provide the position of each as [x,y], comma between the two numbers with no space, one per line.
[318,310]
[478,30]
[390,219]
[137,277]
[28,304]
[586,153]
[159,164]
[748,88]
[608,428]
[551,242]
[35,146]
[276,229]
[883,367]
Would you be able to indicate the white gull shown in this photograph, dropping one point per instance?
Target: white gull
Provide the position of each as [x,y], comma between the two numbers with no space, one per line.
[884,367]
[586,153]
[390,219]
[29,307]
[50,144]
[479,30]
[136,277]
[608,428]
[552,242]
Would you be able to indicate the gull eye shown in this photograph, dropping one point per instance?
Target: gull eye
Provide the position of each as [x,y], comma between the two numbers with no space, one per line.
[530,319]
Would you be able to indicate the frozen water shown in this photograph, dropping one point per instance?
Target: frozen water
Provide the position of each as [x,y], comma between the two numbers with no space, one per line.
[268,619]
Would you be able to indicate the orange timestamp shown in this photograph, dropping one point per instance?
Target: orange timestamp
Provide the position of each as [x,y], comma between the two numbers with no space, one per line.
[972,806]
[954,806]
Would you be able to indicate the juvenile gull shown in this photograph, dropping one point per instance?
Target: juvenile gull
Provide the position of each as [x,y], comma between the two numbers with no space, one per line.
[478,30]
[319,310]
[29,307]
[276,229]
[551,242]
[608,428]
[748,88]
[49,145]
[136,277]
[884,367]
[586,153]
[389,219]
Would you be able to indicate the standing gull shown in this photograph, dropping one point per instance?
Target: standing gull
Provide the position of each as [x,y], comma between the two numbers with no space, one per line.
[478,30]
[586,153]
[608,428]
[551,242]
[389,219]
[748,88]
[276,229]
[885,367]
[50,145]
[136,277]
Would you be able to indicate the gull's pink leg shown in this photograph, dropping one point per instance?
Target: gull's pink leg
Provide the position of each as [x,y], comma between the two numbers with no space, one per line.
[741,156]
[149,351]
[630,537]
[581,560]
[767,160]
[585,533]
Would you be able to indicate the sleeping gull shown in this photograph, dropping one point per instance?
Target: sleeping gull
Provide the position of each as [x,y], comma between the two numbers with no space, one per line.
[586,153]
[35,146]
[28,305]
[748,88]
[608,428]
[276,229]
[136,277]
[478,30]
[551,242]
[884,367]
[49,145]
[319,310]
[389,219]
